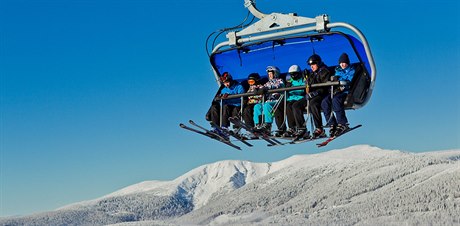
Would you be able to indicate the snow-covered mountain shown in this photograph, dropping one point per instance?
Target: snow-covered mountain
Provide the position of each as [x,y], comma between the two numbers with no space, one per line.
[357,185]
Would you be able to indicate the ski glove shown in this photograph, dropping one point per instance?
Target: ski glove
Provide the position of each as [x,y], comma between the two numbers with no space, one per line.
[334,78]
[312,94]
[261,91]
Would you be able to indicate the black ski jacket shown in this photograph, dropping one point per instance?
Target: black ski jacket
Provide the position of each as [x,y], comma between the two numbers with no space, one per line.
[321,75]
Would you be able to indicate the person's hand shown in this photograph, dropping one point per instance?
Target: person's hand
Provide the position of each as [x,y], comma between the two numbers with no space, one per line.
[334,78]
[261,91]
[223,96]
[310,95]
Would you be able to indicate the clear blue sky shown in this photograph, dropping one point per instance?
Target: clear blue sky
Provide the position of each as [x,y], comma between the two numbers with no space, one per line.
[92,92]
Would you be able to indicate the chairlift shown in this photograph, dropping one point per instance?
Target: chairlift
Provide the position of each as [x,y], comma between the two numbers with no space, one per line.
[286,39]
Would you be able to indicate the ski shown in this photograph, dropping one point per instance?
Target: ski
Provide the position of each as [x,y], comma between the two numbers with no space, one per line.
[335,137]
[307,140]
[209,134]
[264,136]
[222,135]
[240,138]
[231,133]
[298,138]
[298,141]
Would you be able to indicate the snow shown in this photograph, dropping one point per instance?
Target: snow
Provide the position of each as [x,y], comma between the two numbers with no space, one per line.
[156,187]
[359,184]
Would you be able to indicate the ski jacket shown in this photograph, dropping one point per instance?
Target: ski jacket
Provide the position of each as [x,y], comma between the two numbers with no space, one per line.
[256,98]
[235,88]
[321,75]
[296,94]
[345,74]
[275,83]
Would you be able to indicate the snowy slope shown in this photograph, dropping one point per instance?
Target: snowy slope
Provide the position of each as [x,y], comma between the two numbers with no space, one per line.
[357,185]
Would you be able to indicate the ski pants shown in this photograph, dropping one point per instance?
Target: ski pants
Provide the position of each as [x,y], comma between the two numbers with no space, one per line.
[249,115]
[294,112]
[227,112]
[315,110]
[266,109]
[258,110]
[335,104]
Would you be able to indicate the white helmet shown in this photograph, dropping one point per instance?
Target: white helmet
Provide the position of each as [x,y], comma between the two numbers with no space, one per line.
[294,68]
[275,69]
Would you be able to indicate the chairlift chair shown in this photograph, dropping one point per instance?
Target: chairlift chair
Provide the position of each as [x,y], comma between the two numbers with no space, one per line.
[285,39]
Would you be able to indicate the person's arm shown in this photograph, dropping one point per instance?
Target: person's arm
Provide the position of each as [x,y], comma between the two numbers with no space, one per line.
[240,89]
[348,76]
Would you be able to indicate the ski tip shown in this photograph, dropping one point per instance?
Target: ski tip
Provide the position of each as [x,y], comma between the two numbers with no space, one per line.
[181,125]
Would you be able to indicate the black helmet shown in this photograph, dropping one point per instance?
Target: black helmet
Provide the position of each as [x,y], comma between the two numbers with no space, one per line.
[254,76]
[226,77]
[314,59]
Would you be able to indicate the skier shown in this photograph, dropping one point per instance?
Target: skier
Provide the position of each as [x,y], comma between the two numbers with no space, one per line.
[343,72]
[230,107]
[295,104]
[319,74]
[253,101]
[267,108]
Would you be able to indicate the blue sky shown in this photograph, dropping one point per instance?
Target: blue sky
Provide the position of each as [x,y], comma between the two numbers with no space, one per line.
[92,92]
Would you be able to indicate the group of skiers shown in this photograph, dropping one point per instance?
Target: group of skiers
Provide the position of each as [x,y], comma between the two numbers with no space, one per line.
[271,105]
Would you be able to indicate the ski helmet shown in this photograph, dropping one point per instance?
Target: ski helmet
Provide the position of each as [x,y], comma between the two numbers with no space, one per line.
[275,70]
[226,77]
[294,68]
[295,72]
[314,59]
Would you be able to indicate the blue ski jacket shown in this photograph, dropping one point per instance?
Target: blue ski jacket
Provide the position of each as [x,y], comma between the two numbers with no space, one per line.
[345,74]
[235,88]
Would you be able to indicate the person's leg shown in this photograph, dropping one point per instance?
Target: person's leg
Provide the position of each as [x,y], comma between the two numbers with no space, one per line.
[290,115]
[257,115]
[248,112]
[315,110]
[226,113]
[326,106]
[267,110]
[280,118]
[214,113]
[339,109]
[298,107]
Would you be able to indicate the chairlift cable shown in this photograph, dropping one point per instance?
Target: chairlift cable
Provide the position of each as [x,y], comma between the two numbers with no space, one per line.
[239,26]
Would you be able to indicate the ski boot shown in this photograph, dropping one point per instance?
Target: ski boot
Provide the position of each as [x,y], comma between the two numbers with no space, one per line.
[340,129]
[302,134]
[332,130]
[319,133]
[289,133]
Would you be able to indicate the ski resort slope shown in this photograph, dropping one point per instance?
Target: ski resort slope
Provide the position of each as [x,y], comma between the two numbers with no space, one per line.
[361,185]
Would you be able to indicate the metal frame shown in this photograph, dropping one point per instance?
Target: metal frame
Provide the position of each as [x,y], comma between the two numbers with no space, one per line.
[276,25]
